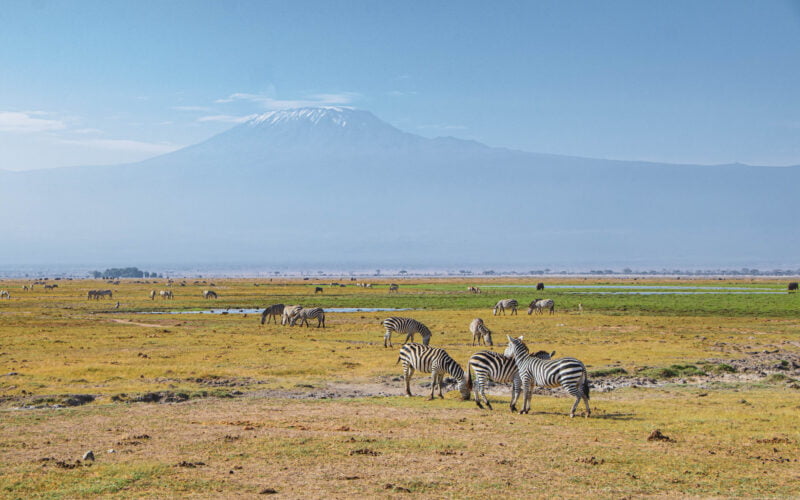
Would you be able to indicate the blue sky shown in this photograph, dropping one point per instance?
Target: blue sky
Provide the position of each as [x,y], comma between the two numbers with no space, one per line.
[681,81]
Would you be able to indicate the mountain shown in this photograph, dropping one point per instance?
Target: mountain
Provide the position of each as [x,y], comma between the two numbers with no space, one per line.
[338,186]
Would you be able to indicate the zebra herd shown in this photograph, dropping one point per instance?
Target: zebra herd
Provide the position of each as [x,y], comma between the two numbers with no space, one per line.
[290,315]
[536,305]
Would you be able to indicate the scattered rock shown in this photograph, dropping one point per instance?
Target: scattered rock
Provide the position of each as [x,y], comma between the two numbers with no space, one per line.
[656,435]
[190,465]
[591,461]
[365,451]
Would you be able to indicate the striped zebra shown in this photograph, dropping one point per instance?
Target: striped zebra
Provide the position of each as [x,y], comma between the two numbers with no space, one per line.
[288,314]
[505,304]
[209,294]
[480,332]
[393,287]
[166,294]
[272,312]
[539,305]
[568,373]
[153,294]
[489,365]
[435,361]
[404,325]
[312,313]
[103,293]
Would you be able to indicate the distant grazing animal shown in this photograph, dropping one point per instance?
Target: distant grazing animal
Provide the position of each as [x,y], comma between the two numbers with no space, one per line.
[540,286]
[4,294]
[489,365]
[209,294]
[312,313]
[153,294]
[793,286]
[289,313]
[368,285]
[117,305]
[435,361]
[480,333]
[25,287]
[505,304]
[50,287]
[539,305]
[393,287]
[568,373]
[318,289]
[91,294]
[103,293]
[408,326]
[580,307]
[273,312]
[166,294]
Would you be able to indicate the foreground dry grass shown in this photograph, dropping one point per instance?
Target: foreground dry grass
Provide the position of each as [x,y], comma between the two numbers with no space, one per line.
[735,437]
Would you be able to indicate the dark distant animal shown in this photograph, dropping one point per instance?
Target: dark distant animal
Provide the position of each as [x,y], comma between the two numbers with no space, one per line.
[480,333]
[102,294]
[504,304]
[50,287]
[435,361]
[273,312]
[540,286]
[408,326]
[393,287]
[318,289]
[568,373]
[311,313]
[489,365]
[209,294]
[539,305]
[793,286]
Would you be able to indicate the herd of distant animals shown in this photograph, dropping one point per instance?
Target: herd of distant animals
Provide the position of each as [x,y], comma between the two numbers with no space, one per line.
[515,366]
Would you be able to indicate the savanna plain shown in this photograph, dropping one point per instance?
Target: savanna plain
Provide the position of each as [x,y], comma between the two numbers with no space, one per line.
[177,403]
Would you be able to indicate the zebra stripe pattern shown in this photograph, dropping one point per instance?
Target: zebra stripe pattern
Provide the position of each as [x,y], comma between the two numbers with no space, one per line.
[480,332]
[539,305]
[305,314]
[505,304]
[288,313]
[568,373]
[272,312]
[433,360]
[404,325]
[489,365]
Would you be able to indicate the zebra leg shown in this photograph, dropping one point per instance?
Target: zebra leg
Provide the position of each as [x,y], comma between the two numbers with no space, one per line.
[574,405]
[426,340]
[407,372]
[478,389]
[515,389]
[441,383]
[409,336]
[433,385]
[526,398]
[387,337]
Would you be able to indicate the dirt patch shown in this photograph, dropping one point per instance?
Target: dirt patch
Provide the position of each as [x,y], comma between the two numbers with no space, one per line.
[129,322]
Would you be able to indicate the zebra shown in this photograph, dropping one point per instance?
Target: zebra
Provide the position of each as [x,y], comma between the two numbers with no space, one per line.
[568,373]
[435,361]
[91,294]
[505,304]
[404,325]
[5,294]
[393,287]
[288,314]
[209,294]
[304,314]
[539,305]
[489,365]
[153,294]
[166,294]
[480,333]
[103,293]
[273,312]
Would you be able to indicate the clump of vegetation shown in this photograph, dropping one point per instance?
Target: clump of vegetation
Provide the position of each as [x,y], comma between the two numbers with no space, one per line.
[719,368]
[673,371]
[127,272]
[778,377]
[607,372]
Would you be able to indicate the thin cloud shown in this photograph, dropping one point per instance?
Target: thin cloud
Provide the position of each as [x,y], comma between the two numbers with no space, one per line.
[123,145]
[270,103]
[26,122]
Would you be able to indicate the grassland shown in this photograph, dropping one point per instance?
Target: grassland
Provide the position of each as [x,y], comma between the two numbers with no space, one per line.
[310,412]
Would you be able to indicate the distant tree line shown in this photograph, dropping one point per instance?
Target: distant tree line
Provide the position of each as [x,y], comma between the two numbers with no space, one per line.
[124,272]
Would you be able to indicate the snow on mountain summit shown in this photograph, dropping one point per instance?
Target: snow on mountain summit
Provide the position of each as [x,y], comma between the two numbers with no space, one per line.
[337,115]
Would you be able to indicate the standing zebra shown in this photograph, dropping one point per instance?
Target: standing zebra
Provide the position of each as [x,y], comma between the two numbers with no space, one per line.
[489,365]
[480,333]
[288,314]
[153,294]
[393,287]
[568,373]
[505,304]
[304,314]
[209,294]
[404,325]
[539,305]
[435,361]
[273,312]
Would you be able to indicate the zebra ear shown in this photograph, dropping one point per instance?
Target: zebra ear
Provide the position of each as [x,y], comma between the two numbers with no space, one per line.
[509,338]
[520,337]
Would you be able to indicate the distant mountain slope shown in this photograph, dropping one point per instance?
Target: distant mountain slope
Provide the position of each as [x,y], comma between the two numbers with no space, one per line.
[337,185]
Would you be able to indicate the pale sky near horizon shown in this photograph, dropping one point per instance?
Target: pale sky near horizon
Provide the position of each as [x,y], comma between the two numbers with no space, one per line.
[106,82]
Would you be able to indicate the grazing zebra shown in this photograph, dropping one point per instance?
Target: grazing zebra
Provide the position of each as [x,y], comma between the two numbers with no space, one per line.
[540,286]
[91,294]
[209,294]
[480,333]
[50,287]
[153,294]
[103,293]
[404,325]
[435,361]
[288,314]
[25,287]
[4,294]
[489,365]
[166,294]
[305,314]
[568,373]
[473,289]
[505,304]
[539,305]
[273,312]
[393,287]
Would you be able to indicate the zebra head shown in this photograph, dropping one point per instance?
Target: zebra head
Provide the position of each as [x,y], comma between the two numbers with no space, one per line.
[464,388]
[515,346]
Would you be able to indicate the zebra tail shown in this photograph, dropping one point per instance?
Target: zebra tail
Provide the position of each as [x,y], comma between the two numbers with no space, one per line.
[469,378]
[586,385]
